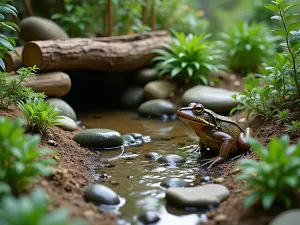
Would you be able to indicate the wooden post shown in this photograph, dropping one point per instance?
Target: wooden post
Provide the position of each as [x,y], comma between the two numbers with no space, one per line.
[28,8]
[144,12]
[110,19]
[153,13]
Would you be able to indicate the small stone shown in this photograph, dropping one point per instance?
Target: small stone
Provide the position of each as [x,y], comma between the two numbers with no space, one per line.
[289,217]
[205,179]
[136,135]
[234,171]
[149,217]
[171,159]
[157,108]
[67,124]
[237,83]
[218,180]
[89,214]
[220,218]
[105,176]
[132,97]
[52,143]
[152,155]
[129,177]
[146,75]
[232,76]
[174,182]
[100,194]
[128,138]
[242,120]
[159,89]
[64,107]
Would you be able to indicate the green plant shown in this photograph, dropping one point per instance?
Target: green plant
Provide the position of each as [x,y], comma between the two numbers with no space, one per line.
[33,210]
[140,28]
[40,115]
[283,116]
[20,161]
[276,177]
[188,58]
[6,43]
[294,128]
[12,89]
[246,46]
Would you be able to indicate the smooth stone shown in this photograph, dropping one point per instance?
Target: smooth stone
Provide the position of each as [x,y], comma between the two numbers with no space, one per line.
[149,217]
[205,179]
[197,196]
[289,217]
[216,99]
[159,89]
[157,108]
[35,28]
[128,138]
[152,155]
[174,182]
[132,97]
[99,138]
[171,159]
[66,109]
[100,194]
[136,135]
[67,124]
[146,75]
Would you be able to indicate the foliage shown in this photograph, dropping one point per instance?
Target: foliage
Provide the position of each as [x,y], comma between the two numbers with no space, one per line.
[12,89]
[141,28]
[283,116]
[20,161]
[294,128]
[189,58]
[278,85]
[40,115]
[245,46]
[6,43]
[33,210]
[276,176]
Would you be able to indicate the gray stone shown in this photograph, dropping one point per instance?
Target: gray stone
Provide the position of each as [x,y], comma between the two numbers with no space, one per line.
[99,138]
[146,75]
[66,109]
[157,108]
[174,182]
[197,196]
[159,89]
[67,124]
[132,97]
[100,194]
[128,138]
[171,159]
[149,217]
[216,99]
[152,155]
[289,217]
[136,135]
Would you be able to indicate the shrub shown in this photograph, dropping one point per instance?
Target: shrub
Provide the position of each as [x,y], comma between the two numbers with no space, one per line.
[246,46]
[283,116]
[20,161]
[12,89]
[188,58]
[294,128]
[276,176]
[33,210]
[40,115]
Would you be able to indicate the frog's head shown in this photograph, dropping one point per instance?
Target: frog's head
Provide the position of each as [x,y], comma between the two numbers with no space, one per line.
[194,116]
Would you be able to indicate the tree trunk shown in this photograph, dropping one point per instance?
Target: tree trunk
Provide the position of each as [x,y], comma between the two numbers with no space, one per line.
[12,61]
[54,84]
[111,54]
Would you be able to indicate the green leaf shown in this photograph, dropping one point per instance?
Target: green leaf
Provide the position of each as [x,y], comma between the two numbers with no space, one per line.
[271,7]
[293,26]
[291,17]
[190,71]
[6,44]
[2,65]
[290,7]
[251,199]
[175,71]
[268,199]
[280,32]
[276,18]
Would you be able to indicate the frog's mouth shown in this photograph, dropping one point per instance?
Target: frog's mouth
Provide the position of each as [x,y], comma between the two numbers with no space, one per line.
[190,119]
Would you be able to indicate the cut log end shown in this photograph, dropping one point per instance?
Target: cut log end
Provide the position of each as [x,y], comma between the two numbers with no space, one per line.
[34,57]
[12,61]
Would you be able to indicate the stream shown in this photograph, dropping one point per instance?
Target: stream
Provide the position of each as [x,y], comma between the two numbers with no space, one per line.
[137,179]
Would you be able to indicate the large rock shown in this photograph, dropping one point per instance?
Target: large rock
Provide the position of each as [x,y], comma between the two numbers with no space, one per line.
[159,89]
[99,138]
[216,99]
[100,194]
[66,109]
[157,108]
[197,196]
[290,217]
[35,28]
[146,75]
[132,97]
[67,123]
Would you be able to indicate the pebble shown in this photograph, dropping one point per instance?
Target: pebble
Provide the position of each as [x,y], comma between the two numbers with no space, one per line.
[174,182]
[64,107]
[157,108]
[242,120]
[220,218]
[146,75]
[52,143]
[148,217]
[159,89]
[205,179]
[128,138]
[100,194]
[132,97]
[218,180]
[67,124]
[152,155]
[289,217]
[171,159]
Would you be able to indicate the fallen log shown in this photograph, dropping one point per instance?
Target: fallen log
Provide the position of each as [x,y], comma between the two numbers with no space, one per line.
[55,84]
[115,54]
[12,61]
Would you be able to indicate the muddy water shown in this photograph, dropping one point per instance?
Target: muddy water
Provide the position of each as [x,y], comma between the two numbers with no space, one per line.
[137,179]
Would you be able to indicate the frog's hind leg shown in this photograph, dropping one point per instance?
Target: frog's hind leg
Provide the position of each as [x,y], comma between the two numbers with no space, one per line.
[243,145]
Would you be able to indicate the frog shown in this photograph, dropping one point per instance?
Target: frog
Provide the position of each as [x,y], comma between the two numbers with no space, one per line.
[216,132]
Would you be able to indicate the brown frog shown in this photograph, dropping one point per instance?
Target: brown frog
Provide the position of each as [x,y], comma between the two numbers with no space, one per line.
[218,133]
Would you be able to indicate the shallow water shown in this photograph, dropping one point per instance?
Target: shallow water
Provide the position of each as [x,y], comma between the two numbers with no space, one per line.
[137,179]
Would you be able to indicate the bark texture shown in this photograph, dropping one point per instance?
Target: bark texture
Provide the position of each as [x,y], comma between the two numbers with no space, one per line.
[111,54]
[12,61]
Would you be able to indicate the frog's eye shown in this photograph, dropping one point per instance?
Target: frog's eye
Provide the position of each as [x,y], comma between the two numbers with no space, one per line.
[198,108]
[192,104]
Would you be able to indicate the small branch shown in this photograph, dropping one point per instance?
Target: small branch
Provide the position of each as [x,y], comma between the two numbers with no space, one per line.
[153,14]
[28,8]
[144,12]
[110,19]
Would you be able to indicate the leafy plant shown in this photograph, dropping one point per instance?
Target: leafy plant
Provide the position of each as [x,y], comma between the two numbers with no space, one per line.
[188,58]
[6,43]
[12,89]
[20,161]
[276,177]
[141,28]
[283,116]
[246,46]
[40,115]
[33,210]
[294,127]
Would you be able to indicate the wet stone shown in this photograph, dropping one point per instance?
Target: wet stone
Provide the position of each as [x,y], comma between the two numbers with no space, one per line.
[100,194]
[205,179]
[132,97]
[136,135]
[99,138]
[157,108]
[289,217]
[149,217]
[200,196]
[174,182]
[172,159]
[159,89]
[152,155]
[67,124]
[64,107]
[128,138]
[146,75]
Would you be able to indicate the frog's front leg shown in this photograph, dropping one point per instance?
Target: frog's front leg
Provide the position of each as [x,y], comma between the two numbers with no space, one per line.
[226,142]
[200,148]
